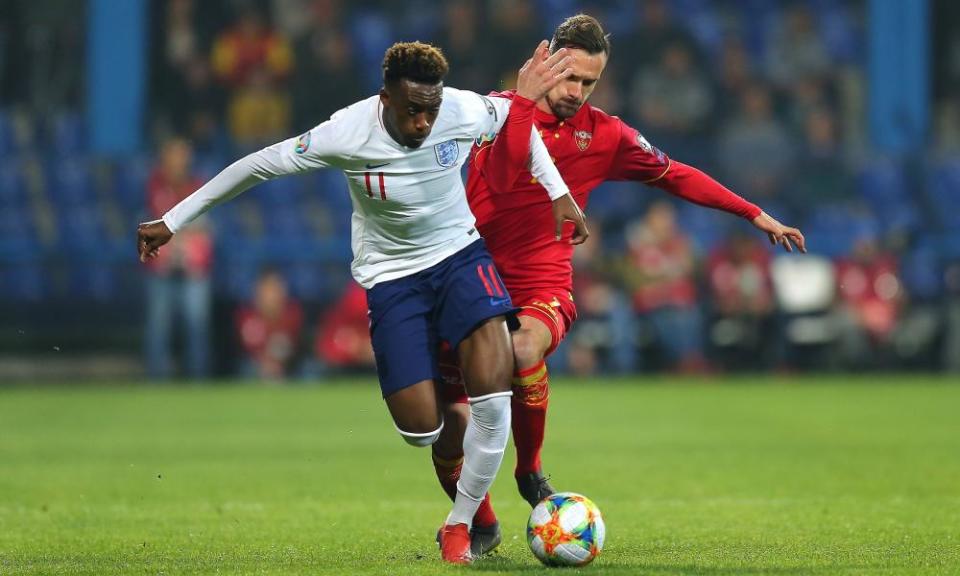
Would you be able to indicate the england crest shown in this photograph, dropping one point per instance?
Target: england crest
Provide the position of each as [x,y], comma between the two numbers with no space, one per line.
[583,139]
[447,153]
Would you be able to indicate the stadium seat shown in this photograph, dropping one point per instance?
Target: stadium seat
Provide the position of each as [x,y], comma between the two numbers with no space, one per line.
[69,182]
[943,191]
[920,270]
[67,134]
[13,189]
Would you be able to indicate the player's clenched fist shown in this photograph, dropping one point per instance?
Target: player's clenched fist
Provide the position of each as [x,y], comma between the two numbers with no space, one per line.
[150,237]
[543,71]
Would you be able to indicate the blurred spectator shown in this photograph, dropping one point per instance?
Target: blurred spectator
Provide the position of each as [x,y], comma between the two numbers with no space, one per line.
[603,336]
[270,329]
[254,62]
[298,18]
[188,99]
[754,150]
[821,175]
[742,299]
[653,32]
[735,73]
[796,51]
[343,335]
[660,273]
[673,101]
[459,41]
[325,79]
[46,60]
[513,32]
[870,298]
[179,283]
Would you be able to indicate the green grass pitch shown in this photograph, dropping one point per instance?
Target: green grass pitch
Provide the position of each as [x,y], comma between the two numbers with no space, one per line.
[748,476]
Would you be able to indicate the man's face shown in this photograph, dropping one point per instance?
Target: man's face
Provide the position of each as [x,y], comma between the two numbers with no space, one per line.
[566,98]
[410,109]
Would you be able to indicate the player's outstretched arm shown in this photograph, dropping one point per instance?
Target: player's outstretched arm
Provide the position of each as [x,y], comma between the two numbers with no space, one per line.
[292,156]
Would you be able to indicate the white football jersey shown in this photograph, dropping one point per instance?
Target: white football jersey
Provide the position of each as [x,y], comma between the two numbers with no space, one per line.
[409,205]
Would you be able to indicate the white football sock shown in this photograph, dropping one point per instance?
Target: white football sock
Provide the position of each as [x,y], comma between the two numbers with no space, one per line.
[483,445]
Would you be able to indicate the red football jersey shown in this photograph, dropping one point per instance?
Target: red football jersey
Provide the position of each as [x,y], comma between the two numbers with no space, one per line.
[587,149]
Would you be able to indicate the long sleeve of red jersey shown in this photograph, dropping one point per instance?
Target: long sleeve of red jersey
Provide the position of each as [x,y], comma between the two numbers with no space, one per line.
[502,162]
[694,186]
[638,160]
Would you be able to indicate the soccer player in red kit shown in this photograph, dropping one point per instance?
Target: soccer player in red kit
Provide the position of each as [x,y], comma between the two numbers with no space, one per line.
[534,256]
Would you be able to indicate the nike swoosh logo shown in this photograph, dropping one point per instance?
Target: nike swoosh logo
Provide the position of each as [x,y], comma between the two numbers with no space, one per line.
[374,166]
[499,301]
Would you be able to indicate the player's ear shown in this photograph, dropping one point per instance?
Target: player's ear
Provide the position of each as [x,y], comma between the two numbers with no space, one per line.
[384,97]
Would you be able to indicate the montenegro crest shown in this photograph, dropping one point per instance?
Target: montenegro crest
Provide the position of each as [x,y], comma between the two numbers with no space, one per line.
[447,153]
[583,139]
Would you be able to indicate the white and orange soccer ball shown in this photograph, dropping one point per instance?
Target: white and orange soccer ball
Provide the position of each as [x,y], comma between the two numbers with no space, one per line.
[566,529]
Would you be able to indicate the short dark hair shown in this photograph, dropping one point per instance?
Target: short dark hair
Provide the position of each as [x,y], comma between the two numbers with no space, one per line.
[581,31]
[414,61]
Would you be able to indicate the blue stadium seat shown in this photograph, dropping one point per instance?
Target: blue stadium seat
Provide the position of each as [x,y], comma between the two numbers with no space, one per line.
[882,181]
[943,190]
[82,230]
[832,230]
[706,227]
[7,137]
[278,193]
[130,178]
[69,182]
[883,185]
[13,189]
[67,134]
[372,35]
[26,282]
[921,270]
[93,280]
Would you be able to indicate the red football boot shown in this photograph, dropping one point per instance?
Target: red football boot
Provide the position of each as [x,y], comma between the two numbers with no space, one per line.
[455,544]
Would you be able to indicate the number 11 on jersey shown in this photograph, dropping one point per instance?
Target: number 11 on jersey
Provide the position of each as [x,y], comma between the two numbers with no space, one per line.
[383,187]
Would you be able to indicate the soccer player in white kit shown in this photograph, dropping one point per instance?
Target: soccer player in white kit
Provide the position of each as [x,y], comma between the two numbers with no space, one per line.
[427,273]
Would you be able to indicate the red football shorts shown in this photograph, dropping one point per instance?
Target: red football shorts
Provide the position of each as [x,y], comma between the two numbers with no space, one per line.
[554,308]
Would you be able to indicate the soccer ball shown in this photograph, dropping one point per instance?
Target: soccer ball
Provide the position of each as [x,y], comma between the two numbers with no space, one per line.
[566,529]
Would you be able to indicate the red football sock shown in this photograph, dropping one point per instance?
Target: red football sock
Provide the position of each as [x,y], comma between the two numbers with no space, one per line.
[448,472]
[530,395]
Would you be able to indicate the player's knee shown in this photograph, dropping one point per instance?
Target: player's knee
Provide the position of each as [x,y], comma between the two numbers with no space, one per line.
[527,350]
[421,439]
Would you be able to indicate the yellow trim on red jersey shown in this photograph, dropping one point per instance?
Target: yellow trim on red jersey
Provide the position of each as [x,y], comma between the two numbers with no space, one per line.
[665,170]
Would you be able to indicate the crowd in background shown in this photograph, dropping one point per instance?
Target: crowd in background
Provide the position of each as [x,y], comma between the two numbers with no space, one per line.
[769,97]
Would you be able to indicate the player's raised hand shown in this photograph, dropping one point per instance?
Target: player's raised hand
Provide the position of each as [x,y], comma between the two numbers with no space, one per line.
[543,71]
[780,234]
[150,237]
[565,209]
